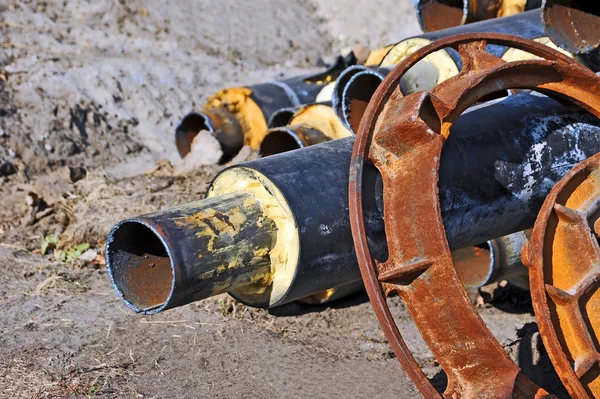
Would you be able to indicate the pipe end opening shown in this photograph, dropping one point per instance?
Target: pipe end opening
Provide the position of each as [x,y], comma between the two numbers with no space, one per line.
[434,15]
[573,24]
[475,265]
[190,126]
[357,94]
[139,266]
[281,118]
[279,141]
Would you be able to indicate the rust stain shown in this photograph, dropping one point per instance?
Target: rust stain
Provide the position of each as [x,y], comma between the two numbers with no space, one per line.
[150,282]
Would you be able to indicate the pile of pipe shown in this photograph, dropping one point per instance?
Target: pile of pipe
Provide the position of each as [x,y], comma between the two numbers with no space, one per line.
[276,229]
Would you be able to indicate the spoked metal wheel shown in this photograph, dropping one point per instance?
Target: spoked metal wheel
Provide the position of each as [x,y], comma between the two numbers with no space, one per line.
[403,138]
[563,257]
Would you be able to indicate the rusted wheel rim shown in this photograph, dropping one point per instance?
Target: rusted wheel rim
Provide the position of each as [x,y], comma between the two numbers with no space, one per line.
[564,260]
[403,137]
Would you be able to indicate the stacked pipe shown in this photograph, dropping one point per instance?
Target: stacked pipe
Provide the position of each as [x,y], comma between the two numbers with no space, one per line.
[283,228]
[242,115]
[270,232]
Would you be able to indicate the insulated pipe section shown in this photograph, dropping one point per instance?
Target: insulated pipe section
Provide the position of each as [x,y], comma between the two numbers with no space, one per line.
[496,169]
[190,252]
[253,106]
[493,261]
[309,124]
[356,85]
[574,25]
[477,266]
[446,63]
[434,15]
[333,294]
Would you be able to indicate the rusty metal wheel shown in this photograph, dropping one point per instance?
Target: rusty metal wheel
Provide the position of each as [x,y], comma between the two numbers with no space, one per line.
[563,257]
[403,138]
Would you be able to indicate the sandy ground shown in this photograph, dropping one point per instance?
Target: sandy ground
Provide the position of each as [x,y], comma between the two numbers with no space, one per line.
[90,92]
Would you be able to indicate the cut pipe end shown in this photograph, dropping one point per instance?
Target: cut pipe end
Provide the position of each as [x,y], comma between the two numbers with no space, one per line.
[290,138]
[192,124]
[223,125]
[140,266]
[280,140]
[356,97]
[281,117]
[573,25]
[477,265]
[436,15]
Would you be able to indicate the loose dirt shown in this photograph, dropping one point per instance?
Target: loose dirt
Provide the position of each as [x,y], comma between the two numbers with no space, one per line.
[90,93]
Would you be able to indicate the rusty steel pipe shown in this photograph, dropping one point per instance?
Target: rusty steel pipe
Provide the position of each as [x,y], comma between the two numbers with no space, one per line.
[574,25]
[245,111]
[434,15]
[492,184]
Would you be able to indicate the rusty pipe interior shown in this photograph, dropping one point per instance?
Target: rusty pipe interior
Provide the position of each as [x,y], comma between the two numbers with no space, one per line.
[573,25]
[436,15]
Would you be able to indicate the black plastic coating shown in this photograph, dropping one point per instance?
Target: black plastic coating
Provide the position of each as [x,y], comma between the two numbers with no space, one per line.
[497,166]
[273,96]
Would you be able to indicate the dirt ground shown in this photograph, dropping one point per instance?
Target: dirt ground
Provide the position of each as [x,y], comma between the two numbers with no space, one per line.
[90,92]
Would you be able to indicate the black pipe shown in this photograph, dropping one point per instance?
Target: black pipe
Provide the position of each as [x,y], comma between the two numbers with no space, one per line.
[364,78]
[253,106]
[221,123]
[497,166]
[527,25]
[282,117]
[353,89]
[436,15]
[288,138]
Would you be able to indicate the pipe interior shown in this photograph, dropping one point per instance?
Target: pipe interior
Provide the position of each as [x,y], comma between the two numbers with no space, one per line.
[189,128]
[441,14]
[474,265]
[357,95]
[279,141]
[139,266]
[281,118]
[574,22]
[340,86]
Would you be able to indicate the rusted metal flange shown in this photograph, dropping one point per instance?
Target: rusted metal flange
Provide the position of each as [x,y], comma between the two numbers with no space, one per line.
[564,260]
[403,138]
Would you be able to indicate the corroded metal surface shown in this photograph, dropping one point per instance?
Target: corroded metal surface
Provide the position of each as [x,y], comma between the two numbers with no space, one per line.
[403,137]
[564,260]
[441,14]
[572,24]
